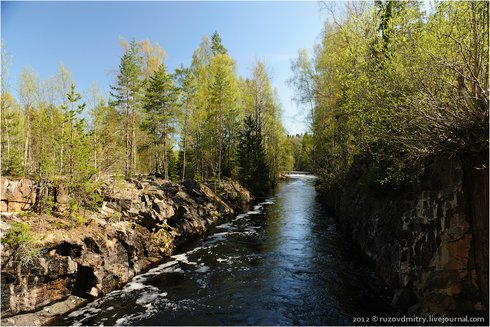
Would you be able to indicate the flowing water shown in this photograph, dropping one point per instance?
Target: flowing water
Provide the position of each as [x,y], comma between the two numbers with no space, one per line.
[282,263]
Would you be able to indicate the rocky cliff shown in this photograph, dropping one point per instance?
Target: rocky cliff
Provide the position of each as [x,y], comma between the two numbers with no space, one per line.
[427,240]
[140,223]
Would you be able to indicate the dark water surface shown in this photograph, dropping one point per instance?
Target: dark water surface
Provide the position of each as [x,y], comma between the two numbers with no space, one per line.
[283,263]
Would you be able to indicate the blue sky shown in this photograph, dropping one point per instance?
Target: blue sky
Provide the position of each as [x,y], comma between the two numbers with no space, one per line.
[85,37]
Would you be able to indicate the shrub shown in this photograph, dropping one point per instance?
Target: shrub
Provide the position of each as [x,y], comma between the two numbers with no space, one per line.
[21,239]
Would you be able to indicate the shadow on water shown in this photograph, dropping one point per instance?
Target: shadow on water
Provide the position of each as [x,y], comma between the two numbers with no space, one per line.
[282,263]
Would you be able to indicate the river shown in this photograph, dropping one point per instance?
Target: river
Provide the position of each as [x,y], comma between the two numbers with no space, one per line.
[282,263]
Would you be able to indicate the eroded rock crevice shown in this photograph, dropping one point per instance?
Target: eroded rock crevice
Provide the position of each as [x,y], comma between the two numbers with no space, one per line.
[85,281]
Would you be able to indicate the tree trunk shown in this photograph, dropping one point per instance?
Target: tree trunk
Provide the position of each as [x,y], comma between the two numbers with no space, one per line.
[62,146]
[4,133]
[26,144]
[220,139]
[95,146]
[133,142]
[165,163]
[185,143]
[126,130]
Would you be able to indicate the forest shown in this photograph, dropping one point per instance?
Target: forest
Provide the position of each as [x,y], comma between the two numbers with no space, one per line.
[388,81]
[397,84]
[200,122]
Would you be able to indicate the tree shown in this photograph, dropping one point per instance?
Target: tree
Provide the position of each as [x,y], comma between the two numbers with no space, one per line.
[187,89]
[152,57]
[28,93]
[127,93]
[262,104]
[12,137]
[62,83]
[223,94]
[450,109]
[254,171]
[106,138]
[97,104]
[11,123]
[216,45]
[160,105]
[75,128]
[398,87]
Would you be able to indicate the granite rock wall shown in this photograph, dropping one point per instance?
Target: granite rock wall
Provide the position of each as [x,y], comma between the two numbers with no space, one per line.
[428,240]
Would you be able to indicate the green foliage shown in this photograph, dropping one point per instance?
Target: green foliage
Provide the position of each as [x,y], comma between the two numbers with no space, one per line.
[127,95]
[163,240]
[182,125]
[12,137]
[216,45]
[302,150]
[18,234]
[106,139]
[20,238]
[160,105]
[48,204]
[254,171]
[396,84]
[80,169]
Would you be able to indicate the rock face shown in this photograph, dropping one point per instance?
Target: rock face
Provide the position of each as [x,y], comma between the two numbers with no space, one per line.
[16,195]
[233,193]
[140,223]
[429,241]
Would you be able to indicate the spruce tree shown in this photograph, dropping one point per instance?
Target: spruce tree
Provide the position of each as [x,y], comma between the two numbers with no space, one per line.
[80,169]
[216,45]
[254,171]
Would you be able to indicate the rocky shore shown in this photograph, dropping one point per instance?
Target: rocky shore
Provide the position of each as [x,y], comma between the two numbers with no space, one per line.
[70,260]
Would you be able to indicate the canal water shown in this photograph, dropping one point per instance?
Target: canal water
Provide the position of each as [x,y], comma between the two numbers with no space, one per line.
[282,263]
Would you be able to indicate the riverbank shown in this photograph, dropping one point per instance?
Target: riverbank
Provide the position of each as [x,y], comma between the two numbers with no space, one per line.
[428,239]
[47,259]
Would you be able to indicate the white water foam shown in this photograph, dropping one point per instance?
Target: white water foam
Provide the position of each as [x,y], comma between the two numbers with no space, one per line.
[240,216]
[202,269]
[228,260]
[301,176]
[147,298]
[226,226]
[157,270]
[253,212]
[183,258]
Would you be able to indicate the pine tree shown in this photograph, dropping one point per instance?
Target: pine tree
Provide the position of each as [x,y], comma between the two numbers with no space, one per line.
[127,97]
[160,105]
